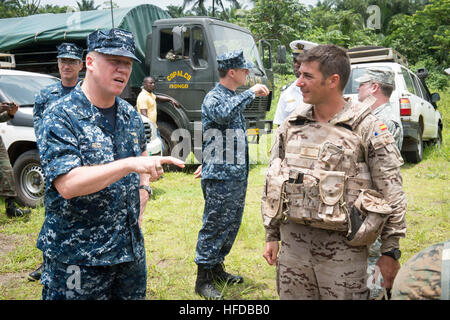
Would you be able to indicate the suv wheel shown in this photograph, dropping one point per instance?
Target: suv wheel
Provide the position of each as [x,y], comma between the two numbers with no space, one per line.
[29,178]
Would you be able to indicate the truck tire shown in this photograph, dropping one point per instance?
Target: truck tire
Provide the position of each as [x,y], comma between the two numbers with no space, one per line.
[416,155]
[29,178]
[165,130]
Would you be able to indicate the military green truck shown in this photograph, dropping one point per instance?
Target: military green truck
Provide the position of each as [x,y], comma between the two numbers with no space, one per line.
[179,53]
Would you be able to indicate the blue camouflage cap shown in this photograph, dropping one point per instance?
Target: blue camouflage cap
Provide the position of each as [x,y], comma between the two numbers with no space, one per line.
[233,60]
[116,42]
[69,50]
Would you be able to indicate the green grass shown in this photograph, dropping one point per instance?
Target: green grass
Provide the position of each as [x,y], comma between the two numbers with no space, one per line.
[173,218]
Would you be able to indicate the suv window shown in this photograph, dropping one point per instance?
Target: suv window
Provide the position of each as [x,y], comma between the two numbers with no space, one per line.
[22,89]
[426,96]
[417,86]
[408,81]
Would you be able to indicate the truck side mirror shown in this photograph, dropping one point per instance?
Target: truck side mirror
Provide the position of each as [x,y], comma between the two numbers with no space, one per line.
[178,39]
[435,97]
[281,54]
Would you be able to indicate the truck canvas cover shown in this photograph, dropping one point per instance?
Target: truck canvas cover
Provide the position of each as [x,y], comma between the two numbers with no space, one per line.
[31,32]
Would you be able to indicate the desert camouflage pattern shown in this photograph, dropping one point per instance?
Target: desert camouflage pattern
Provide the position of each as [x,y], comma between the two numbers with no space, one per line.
[420,277]
[318,264]
[7,186]
[233,60]
[99,228]
[384,113]
[337,170]
[223,123]
[354,151]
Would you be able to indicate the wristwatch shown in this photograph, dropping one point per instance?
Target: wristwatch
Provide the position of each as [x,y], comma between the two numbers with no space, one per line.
[148,189]
[394,253]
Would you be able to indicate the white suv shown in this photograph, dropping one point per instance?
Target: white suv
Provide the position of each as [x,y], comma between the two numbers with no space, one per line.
[18,133]
[411,100]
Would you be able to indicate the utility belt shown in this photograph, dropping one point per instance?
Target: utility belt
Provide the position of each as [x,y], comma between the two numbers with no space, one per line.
[328,200]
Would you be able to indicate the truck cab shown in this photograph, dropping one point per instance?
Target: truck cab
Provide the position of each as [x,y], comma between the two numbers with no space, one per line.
[181,57]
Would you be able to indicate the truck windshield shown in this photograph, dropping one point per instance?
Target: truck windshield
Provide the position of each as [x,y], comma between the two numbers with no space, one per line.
[227,39]
[21,89]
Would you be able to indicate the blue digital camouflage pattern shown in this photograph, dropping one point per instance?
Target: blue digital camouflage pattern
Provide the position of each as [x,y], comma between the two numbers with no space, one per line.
[114,41]
[233,60]
[101,228]
[43,100]
[69,50]
[222,119]
[224,206]
[72,282]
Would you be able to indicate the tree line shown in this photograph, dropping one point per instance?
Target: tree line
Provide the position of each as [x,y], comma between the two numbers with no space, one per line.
[418,29]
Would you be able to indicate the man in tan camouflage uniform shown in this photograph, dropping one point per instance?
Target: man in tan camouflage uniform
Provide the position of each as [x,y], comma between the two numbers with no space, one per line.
[7,186]
[425,276]
[379,82]
[332,186]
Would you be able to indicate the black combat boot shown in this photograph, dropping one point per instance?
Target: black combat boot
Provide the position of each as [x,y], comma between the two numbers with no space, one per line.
[36,274]
[204,285]
[220,275]
[12,210]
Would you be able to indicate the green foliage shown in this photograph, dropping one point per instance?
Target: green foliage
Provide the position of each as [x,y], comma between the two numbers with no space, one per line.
[284,20]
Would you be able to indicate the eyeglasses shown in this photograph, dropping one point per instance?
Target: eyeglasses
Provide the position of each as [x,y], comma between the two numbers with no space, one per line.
[363,83]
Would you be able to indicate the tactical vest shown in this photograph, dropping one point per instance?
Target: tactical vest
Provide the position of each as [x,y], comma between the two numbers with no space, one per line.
[321,177]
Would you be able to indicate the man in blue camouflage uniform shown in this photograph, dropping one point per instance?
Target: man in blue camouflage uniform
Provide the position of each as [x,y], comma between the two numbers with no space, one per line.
[379,82]
[93,151]
[70,63]
[224,171]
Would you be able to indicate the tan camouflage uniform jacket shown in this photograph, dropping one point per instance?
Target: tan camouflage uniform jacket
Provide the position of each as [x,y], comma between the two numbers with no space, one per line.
[381,156]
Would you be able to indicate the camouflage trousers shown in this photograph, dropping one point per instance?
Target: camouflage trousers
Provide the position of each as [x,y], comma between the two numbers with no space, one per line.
[7,187]
[124,281]
[317,264]
[224,206]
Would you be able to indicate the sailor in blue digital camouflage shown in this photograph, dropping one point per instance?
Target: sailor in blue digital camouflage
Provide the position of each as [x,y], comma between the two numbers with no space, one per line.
[70,63]
[379,82]
[93,152]
[69,66]
[7,185]
[224,170]
[425,276]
